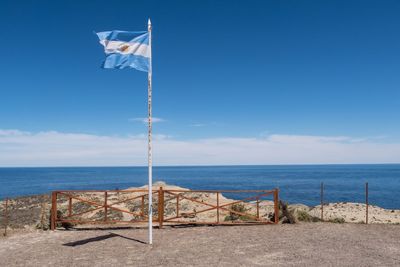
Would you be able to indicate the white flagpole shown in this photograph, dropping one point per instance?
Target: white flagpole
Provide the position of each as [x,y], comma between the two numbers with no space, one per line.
[150,155]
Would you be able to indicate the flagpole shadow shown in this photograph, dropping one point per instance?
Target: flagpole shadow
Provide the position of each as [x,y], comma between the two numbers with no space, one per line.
[100,238]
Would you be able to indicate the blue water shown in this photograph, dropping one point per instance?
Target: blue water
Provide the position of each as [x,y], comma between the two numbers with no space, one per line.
[297,184]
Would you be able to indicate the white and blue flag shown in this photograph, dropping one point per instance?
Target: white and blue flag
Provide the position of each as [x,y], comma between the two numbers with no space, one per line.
[126,49]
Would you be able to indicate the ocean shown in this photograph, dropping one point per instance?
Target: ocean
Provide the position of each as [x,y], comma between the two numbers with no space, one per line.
[297,183]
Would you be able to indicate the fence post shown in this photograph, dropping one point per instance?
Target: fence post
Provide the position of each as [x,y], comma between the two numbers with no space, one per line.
[276,205]
[258,208]
[160,207]
[6,217]
[177,206]
[217,207]
[142,206]
[53,211]
[322,201]
[105,206]
[366,203]
[69,206]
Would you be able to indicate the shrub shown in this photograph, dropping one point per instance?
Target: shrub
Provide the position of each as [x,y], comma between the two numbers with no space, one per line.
[286,215]
[315,219]
[337,220]
[239,207]
[303,216]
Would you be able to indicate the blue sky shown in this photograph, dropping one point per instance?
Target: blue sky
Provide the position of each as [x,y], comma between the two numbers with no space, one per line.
[222,69]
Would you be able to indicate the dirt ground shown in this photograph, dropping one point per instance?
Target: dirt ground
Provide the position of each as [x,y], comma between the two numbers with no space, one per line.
[306,244]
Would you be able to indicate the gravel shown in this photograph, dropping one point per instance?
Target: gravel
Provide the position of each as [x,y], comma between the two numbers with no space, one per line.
[305,244]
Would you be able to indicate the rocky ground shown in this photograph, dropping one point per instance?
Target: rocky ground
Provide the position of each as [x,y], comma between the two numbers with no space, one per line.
[302,244]
[26,212]
[355,213]
[33,211]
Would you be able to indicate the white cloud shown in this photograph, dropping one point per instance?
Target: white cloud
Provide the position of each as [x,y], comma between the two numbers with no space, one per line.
[200,124]
[145,120]
[53,148]
[197,125]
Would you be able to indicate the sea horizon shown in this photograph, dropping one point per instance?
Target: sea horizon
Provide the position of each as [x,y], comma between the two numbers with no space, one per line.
[194,165]
[298,183]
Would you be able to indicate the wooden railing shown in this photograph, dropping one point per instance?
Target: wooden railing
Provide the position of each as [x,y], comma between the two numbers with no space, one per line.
[171,207]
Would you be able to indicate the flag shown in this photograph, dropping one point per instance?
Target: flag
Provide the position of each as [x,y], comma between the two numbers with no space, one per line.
[126,49]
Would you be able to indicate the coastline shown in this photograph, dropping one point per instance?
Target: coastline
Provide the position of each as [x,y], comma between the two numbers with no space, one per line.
[33,212]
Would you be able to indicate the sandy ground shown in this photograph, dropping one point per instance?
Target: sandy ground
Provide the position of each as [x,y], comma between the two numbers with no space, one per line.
[306,244]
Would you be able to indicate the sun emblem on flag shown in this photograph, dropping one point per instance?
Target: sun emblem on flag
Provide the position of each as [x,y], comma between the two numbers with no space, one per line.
[122,48]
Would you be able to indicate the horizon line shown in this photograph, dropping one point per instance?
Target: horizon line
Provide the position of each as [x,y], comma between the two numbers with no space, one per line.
[204,165]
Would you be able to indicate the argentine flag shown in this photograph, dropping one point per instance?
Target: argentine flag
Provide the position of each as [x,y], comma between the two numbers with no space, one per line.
[126,49]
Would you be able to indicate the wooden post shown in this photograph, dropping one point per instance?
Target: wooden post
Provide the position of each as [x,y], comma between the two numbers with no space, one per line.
[142,206]
[217,207]
[6,217]
[177,206]
[276,205]
[69,206]
[105,206]
[160,207]
[366,203]
[53,211]
[322,201]
[258,208]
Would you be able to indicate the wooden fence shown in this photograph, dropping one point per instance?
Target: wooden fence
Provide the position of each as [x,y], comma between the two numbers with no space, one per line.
[208,207]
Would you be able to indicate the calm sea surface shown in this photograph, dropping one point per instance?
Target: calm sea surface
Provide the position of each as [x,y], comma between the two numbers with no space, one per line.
[297,184]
